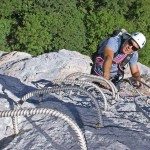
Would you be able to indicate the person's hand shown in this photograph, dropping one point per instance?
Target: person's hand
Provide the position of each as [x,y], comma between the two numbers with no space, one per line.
[137,84]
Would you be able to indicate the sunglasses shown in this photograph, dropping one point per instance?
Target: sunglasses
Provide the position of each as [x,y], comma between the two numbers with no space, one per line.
[130,43]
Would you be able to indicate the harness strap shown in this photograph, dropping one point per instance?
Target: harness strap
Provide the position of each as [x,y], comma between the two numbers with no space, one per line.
[126,60]
[117,60]
[121,67]
[120,59]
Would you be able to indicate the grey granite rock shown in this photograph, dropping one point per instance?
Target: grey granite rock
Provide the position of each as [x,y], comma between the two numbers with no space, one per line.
[125,128]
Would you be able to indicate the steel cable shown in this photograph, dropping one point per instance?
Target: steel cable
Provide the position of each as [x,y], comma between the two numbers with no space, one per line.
[86,83]
[35,111]
[67,88]
[93,78]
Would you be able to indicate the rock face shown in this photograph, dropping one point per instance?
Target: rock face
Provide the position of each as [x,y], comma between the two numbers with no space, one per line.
[47,66]
[125,127]
[145,71]
[18,71]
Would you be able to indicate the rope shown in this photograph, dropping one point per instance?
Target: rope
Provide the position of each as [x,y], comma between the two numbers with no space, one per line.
[67,88]
[15,124]
[138,97]
[93,78]
[34,111]
[79,82]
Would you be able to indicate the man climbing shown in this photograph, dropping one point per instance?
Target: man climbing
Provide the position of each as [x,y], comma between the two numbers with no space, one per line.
[115,52]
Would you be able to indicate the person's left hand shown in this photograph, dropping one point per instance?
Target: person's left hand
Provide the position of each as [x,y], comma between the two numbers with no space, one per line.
[137,84]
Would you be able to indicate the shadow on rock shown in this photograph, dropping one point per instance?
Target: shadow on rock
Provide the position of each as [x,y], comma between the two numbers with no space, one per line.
[15,86]
[5,141]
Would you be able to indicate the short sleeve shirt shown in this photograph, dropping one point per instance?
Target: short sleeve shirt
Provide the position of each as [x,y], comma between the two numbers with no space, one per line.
[114,43]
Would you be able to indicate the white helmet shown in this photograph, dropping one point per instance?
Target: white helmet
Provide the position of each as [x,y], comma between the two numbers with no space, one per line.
[139,38]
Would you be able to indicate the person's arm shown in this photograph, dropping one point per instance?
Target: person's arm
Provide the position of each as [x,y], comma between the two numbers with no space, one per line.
[136,74]
[108,57]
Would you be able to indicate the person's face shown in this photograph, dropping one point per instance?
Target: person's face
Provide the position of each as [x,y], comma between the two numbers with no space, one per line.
[129,46]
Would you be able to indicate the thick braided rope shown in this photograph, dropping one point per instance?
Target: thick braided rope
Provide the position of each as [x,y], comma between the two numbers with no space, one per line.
[15,124]
[66,88]
[35,111]
[80,75]
[81,82]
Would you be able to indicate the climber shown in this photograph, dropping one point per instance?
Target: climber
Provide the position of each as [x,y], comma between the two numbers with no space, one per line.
[115,52]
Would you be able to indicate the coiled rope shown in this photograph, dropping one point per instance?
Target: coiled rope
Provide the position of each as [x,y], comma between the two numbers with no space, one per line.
[35,111]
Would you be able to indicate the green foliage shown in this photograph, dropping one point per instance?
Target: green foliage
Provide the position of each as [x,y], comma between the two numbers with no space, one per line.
[39,26]
[102,17]
[4,32]
[67,26]
[141,21]
[34,36]
[43,26]
[7,7]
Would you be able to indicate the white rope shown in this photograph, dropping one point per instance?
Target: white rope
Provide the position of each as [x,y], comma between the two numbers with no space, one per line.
[92,78]
[34,111]
[66,88]
[80,82]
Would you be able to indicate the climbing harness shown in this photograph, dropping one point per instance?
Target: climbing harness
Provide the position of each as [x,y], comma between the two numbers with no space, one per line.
[121,67]
[120,60]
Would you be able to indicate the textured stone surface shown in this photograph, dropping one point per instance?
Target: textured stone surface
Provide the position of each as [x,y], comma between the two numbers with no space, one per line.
[125,127]
[48,66]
